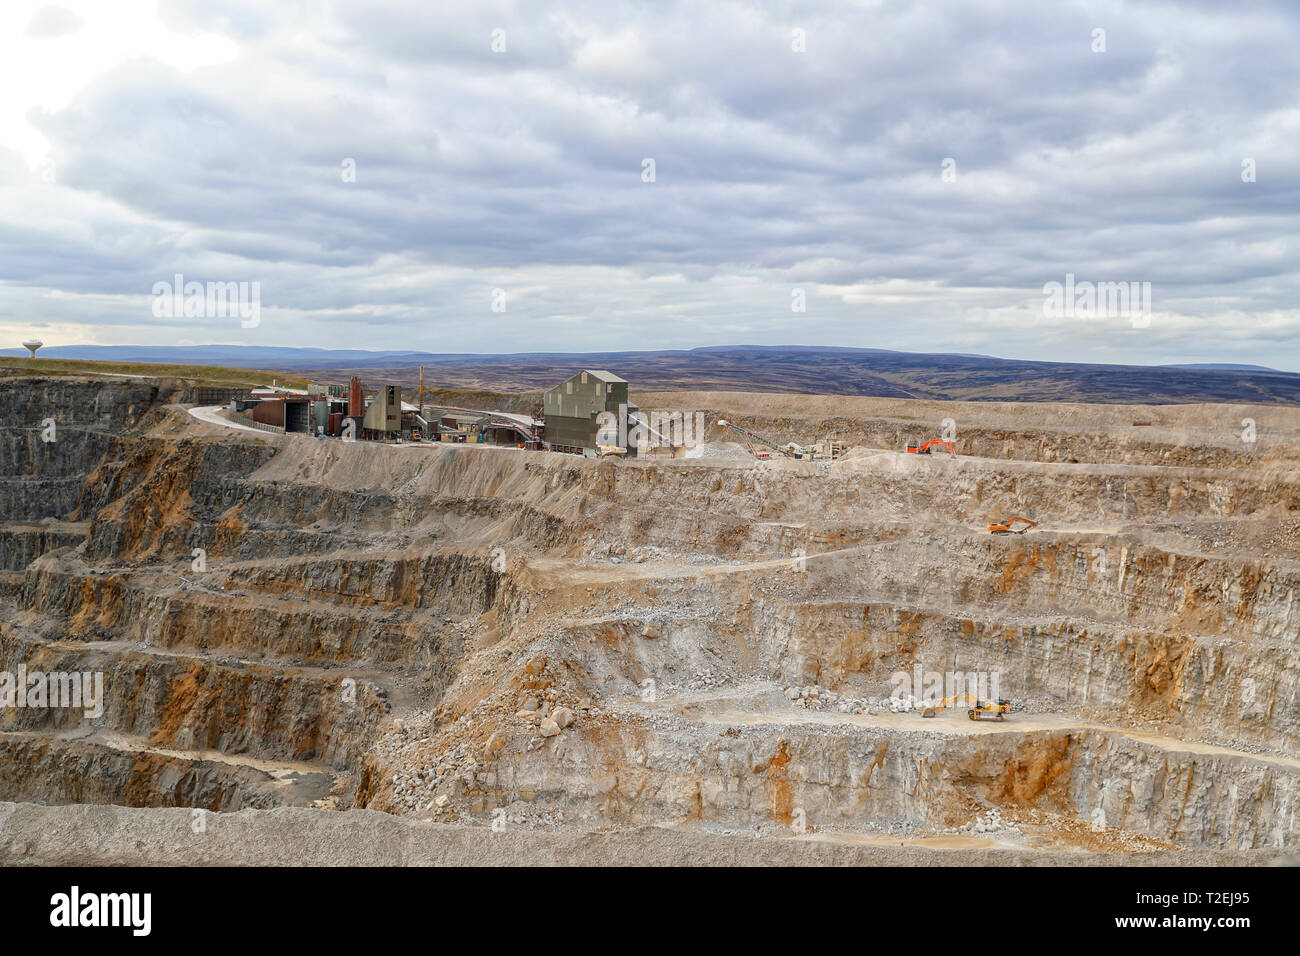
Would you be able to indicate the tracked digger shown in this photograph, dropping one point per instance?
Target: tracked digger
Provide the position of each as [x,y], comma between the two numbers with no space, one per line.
[980,709]
[1005,526]
[926,448]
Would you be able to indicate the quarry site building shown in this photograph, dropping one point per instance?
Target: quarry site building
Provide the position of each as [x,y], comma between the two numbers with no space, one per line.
[572,409]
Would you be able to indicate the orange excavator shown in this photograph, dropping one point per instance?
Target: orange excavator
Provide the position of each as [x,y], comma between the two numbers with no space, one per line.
[1004,526]
[937,443]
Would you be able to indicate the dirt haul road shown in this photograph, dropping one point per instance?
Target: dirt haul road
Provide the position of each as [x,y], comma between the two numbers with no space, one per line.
[718,646]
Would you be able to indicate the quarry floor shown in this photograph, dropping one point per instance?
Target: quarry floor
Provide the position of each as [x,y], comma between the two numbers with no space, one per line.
[32,835]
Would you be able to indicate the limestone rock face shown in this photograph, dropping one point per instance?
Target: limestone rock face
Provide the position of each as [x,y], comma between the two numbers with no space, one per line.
[279,620]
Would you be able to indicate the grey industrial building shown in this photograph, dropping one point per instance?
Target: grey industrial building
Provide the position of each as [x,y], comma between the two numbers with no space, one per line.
[585,415]
[384,416]
[571,410]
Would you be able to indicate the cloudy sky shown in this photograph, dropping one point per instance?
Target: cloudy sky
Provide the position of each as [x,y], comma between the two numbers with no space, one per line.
[918,169]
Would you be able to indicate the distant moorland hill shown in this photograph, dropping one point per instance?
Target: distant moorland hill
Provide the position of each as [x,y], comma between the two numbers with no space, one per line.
[812,369]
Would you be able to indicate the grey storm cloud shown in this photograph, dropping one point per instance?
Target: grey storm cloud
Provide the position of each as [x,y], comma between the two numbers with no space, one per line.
[775,170]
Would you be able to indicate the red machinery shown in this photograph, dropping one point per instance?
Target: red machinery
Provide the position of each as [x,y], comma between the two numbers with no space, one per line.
[916,449]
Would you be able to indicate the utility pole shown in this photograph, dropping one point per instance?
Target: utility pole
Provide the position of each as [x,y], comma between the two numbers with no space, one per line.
[421,390]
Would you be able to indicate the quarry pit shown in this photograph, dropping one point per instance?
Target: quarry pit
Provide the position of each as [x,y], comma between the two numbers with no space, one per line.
[675,655]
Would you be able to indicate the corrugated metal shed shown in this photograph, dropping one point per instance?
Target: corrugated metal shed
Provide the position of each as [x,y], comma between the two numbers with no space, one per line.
[572,408]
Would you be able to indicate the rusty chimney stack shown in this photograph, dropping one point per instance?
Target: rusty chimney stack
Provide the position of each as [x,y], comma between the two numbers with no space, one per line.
[355,408]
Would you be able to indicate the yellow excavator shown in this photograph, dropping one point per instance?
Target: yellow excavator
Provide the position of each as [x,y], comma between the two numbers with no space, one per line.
[980,709]
[1004,526]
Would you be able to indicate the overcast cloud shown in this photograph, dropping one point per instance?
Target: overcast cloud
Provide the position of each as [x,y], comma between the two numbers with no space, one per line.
[209,137]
